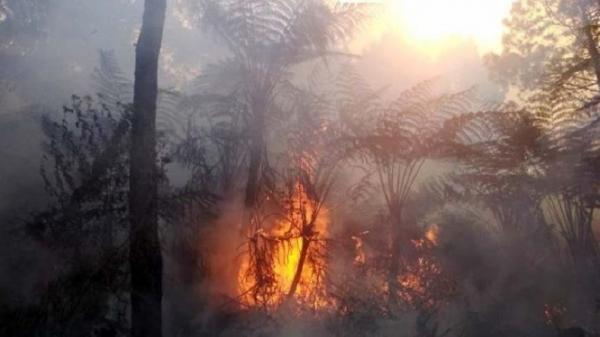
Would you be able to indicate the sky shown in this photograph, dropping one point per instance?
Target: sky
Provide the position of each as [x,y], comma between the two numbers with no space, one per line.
[410,41]
[435,25]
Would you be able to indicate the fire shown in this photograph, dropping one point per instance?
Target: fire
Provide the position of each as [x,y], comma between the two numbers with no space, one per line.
[418,283]
[360,257]
[423,283]
[432,234]
[287,261]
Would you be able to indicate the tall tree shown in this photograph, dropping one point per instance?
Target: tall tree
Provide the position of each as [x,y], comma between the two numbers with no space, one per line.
[267,39]
[145,254]
[551,53]
[552,57]
[395,139]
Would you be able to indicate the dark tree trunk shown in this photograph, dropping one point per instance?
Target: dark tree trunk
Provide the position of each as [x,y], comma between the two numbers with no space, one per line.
[254,171]
[592,46]
[403,250]
[395,256]
[257,150]
[257,153]
[145,257]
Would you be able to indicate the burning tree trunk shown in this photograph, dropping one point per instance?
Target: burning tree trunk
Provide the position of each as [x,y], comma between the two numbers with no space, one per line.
[286,261]
[299,267]
[307,234]
[403,250]
[396,179]
[144,248]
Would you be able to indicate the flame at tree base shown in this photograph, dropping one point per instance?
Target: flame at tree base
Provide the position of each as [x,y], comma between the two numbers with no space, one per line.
[284,261]
[287,261]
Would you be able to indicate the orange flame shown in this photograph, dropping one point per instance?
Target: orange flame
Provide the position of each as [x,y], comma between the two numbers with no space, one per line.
[360,257]
[432,234]
[301,232]
[423,282]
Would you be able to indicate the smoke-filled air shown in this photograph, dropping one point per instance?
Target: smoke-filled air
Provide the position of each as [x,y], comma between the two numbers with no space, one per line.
[300,168]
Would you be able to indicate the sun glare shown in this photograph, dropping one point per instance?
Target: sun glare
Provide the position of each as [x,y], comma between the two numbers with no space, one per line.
[434,23]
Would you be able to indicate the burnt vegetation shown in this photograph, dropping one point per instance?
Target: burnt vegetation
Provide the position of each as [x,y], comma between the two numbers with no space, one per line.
[283,195]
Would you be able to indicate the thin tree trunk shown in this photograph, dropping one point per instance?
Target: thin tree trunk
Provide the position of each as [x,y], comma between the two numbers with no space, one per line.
[255,162]
[257,151]
[592,47]
[145,257]
[253,182]
[403,250]
[254,171]
[299,267]
[395,256]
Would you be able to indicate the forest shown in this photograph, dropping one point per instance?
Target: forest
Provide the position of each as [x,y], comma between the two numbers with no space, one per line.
[291,168]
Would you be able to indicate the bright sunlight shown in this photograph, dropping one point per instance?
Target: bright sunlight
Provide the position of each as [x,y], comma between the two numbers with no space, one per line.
[433,24]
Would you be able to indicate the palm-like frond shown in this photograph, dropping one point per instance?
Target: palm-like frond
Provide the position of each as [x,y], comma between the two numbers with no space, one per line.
[115,91]
[280,31]
[267,38]
[393,139]
[417,124]
[111,84]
